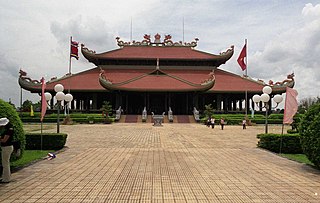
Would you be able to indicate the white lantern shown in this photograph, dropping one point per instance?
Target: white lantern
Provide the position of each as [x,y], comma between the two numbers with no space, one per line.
[68,97]
[48,96]
[58,88]
[278,98]
[265,97]
[60,96]
[267,90]
[256,98]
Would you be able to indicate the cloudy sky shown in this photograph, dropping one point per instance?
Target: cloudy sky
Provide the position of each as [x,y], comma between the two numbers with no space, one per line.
[283,35]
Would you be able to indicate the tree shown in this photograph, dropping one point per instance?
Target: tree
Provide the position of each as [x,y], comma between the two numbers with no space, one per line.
[26,105]
[106,108]
[305,103]
[7,110]
[208,110]
[310,134]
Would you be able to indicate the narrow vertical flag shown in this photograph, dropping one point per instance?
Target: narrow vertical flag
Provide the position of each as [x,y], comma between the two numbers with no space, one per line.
[43,99]
[291,105]
[74,49]
[242,56]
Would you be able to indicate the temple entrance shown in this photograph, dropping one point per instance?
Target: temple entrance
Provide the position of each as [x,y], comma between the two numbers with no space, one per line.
[179,103]
[157,103]
[135,103]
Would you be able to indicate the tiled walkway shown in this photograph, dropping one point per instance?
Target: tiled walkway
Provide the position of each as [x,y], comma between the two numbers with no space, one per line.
[174,163]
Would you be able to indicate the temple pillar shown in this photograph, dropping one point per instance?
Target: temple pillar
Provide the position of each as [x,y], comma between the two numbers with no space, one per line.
[247,105]
[95,101]
[219,102]
[240,104]
[166,102]
[196,100]
[187,103]
[234,104]
[127,103]
[260,106]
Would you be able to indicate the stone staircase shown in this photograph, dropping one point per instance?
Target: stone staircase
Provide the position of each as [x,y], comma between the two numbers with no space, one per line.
[138,119]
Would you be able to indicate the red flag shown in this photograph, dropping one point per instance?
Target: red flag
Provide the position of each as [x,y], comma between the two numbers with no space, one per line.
[74,49]
[241,57]
[291,105]
[43,99]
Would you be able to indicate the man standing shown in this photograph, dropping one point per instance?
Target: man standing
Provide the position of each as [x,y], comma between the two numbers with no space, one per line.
[6,148]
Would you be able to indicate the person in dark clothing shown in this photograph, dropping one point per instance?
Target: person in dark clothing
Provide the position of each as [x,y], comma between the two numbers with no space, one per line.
[222,123]
[6,148]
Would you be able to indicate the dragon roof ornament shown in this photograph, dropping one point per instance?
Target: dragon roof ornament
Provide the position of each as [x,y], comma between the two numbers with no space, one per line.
[157,42]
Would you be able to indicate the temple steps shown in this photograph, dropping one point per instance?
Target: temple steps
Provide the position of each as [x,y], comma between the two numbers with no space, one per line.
[138,119]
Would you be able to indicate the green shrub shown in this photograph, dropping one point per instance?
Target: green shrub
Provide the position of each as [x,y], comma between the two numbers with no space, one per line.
[50,141]
[7,110]
[310,134]
[275,116]
[290,131]
[290,143]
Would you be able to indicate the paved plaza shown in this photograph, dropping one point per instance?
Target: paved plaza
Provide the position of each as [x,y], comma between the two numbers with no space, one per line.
[174,163]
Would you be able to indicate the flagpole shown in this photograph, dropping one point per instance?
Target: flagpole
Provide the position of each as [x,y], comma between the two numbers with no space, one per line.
[70,63]
[246,74]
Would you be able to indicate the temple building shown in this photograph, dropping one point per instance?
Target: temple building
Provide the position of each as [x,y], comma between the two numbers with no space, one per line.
[157,75]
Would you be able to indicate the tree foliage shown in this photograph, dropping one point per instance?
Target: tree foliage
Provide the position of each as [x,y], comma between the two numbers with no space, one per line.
[305,103]
[106,108]
[310,134]
[208,110]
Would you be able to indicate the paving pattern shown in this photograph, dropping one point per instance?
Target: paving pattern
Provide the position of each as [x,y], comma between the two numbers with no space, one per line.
[174,163]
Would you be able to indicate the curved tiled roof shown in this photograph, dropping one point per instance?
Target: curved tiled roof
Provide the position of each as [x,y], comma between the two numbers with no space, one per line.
[142,79]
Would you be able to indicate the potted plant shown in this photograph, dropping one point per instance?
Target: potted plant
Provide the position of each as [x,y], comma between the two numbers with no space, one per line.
[106,109]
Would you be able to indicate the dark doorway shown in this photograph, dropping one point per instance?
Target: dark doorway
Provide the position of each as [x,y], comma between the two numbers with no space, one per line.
[135,103]
[179,103]
[157,103]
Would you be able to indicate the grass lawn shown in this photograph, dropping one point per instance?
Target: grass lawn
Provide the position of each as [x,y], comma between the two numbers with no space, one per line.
[28,157]
[298,157]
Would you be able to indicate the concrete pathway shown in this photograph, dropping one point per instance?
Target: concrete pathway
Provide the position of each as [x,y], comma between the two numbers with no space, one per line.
[174,163]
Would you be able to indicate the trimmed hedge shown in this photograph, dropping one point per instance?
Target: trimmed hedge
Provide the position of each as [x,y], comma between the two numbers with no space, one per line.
[52,118]
[310,134]
[290,143]
[50,141]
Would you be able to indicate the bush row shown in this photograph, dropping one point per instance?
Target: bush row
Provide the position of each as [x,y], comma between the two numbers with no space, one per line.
[288,143]
[54,119]
[232,121]
[50,141]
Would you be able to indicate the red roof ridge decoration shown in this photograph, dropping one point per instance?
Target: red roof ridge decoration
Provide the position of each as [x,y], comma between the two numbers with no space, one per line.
[202,86]
[157,42]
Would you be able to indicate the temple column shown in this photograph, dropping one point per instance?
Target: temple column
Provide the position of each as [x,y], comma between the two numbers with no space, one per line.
[187,103]
[234,104]
[118,100]
[219,102]
[247,105]
[260,106]
[95,101]
[240,104]
[127,103]
[166,102]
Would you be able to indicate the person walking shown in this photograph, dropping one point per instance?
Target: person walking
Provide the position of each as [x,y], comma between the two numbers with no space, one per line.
[244,123]
[212,122]
[222,123]
[209,122]
[6,148]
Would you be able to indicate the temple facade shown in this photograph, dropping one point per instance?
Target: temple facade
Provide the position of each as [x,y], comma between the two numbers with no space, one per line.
[157,75]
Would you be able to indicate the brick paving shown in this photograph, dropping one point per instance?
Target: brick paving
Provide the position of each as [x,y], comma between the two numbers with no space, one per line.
[174,163]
